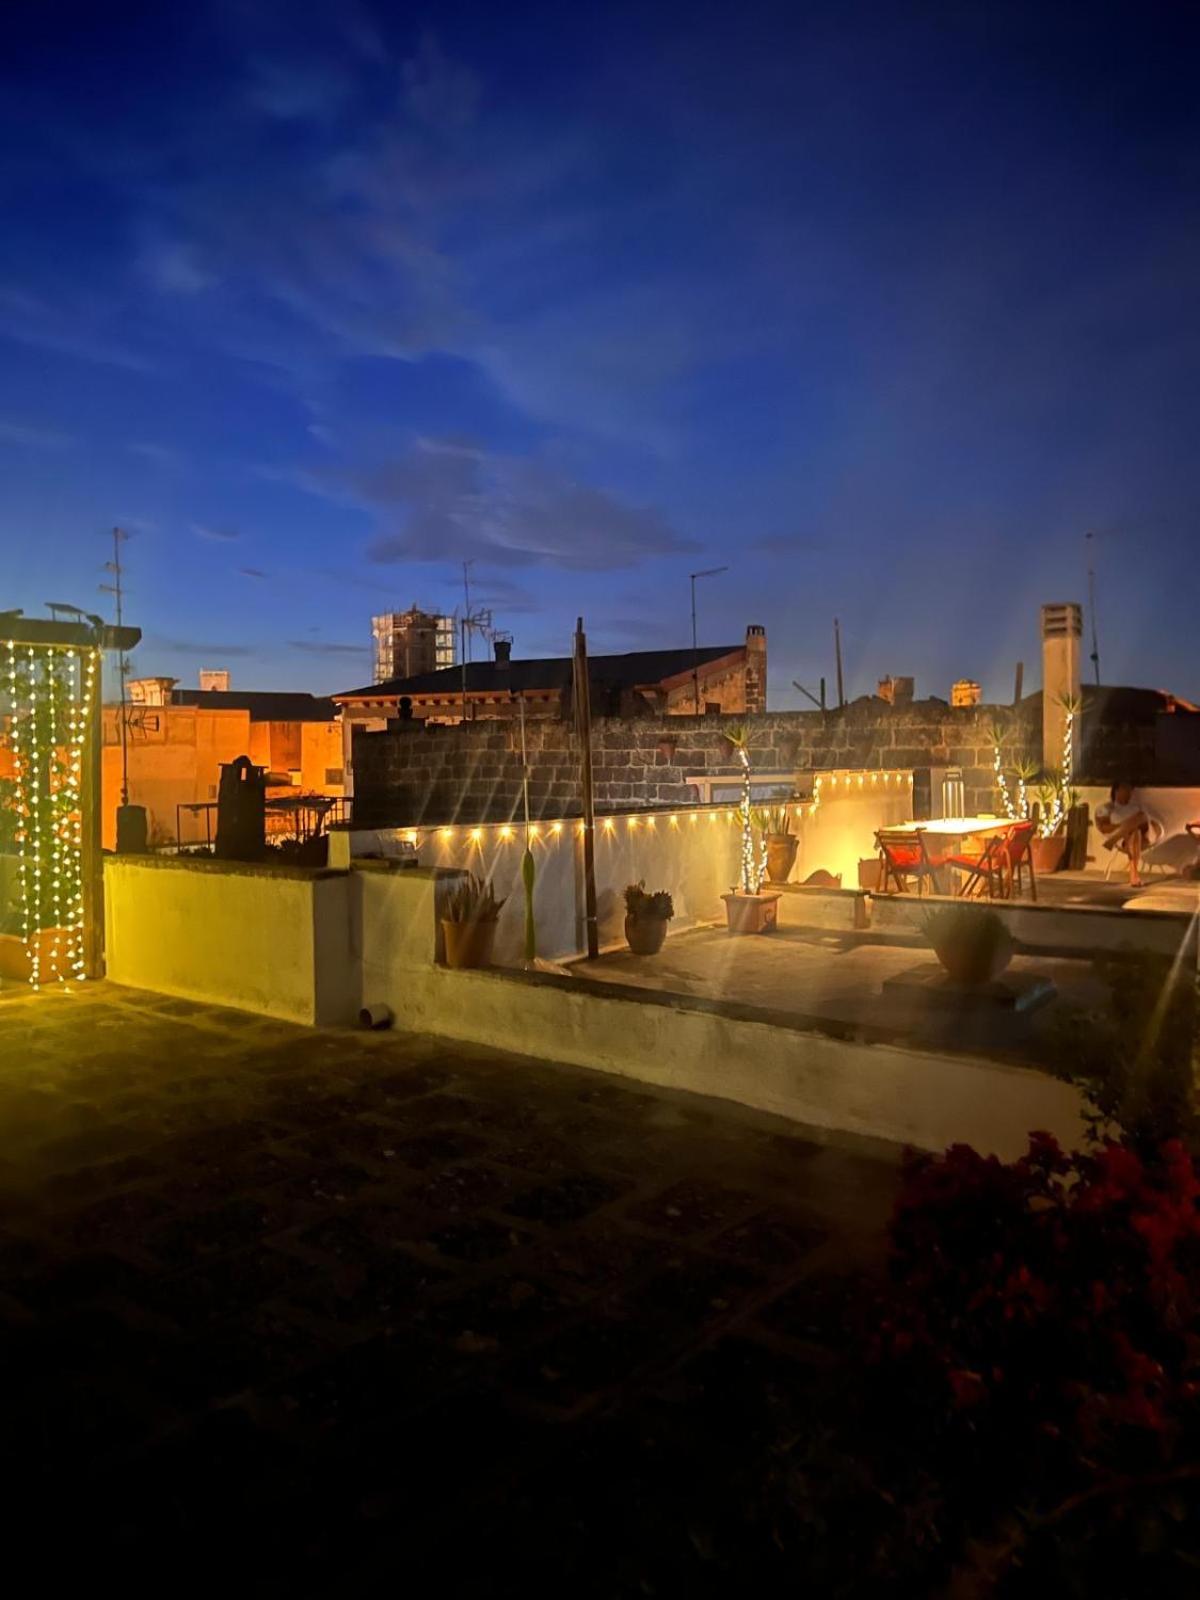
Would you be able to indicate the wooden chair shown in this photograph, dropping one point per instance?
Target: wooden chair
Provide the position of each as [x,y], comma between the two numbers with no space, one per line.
[903,855]
[1018,844]
[987,872]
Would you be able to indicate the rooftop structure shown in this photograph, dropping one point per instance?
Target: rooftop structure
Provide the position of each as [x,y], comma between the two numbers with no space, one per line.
[411,642]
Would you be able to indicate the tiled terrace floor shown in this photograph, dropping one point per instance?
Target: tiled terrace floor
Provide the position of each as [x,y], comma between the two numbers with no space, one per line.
[837,979]
[295,1312]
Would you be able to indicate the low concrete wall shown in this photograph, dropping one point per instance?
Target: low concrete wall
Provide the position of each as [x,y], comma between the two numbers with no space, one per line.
[312,947]
[693,854]
[276,940]
[1050,930]
[912,1096]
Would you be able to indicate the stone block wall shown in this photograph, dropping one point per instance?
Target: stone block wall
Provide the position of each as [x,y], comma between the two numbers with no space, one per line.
[472,773]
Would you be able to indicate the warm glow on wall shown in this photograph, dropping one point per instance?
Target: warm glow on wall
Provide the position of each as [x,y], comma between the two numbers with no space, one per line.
[506,831]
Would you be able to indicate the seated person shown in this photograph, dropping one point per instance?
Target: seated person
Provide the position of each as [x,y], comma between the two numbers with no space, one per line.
[1129,825]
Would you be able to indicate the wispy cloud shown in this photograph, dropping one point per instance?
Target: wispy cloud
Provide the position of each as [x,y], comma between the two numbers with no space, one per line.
[194,647]
[507,510]
[24,435]
[68,325]
[251,572]
[219,535]
[162,455]
[321,647]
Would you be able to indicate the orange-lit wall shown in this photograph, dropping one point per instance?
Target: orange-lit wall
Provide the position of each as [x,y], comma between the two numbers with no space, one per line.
[176,754]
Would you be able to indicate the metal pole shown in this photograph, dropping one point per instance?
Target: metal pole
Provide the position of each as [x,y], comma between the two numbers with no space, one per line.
[695,655]
[1092,609]
[91,826]
[709,572]
[583,724]
[837,649]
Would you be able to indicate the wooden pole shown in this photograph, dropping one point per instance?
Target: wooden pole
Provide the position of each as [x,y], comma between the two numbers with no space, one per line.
[1019,683]
[837,650]
[528,866]
[91,830]
[583,725]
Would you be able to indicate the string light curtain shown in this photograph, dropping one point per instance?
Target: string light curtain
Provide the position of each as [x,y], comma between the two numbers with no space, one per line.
[46,694]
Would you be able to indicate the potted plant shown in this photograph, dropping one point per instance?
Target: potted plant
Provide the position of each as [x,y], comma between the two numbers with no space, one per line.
[971,942]
[469,922]
[775,825]
[1049,841]
[746,907]
[646,918]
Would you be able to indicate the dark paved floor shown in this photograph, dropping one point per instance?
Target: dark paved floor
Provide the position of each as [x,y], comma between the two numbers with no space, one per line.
[306,1312]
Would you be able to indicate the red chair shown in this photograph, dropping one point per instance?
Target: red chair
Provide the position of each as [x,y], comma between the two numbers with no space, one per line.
[1018,844]
[988,871]
[903,855]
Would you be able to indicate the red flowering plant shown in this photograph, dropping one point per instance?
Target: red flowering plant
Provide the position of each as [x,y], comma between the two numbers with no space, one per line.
[1042,1333]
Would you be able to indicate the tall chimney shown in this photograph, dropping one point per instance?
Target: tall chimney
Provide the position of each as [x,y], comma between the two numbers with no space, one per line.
[756,668]
[1062,629]
[503,649]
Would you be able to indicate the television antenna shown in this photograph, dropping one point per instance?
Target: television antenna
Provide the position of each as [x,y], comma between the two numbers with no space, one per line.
[115,588]
[1091,575]
[471,622]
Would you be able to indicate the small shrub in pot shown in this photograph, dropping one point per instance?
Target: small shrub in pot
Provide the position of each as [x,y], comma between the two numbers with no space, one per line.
[646,918]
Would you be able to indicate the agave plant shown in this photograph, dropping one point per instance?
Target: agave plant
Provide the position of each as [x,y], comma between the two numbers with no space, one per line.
[472,900]
[772,820]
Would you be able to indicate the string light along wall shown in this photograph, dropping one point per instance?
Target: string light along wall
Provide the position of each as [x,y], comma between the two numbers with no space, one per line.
[49,692]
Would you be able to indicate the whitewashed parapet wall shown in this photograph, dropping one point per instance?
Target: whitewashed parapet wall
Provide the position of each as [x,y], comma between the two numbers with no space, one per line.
[692,854]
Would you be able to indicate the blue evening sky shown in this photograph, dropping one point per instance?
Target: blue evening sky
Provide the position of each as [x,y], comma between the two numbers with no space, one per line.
[884,305]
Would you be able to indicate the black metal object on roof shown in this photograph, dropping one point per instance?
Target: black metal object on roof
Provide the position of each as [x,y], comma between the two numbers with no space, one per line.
[40,630]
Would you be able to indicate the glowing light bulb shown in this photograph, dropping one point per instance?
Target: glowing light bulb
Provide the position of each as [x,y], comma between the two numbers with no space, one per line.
[506,831]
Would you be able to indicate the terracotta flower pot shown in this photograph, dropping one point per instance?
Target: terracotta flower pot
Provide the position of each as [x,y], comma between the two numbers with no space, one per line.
[781,856]
[14,958]
[469,944]
[751,913]
[1048,853]
[645,935]
[974,961]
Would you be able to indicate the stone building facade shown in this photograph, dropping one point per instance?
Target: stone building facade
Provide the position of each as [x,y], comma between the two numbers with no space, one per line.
[410,774]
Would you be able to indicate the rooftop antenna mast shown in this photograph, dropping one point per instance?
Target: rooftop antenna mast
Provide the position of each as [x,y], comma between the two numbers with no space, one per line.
[1095,657]
[120,537]
[471,622]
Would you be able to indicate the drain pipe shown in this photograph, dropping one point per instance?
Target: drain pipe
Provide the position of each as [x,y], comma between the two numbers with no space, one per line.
[375,1017]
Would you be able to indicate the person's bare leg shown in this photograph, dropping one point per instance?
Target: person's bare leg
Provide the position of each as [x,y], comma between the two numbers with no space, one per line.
[1119,837]
[1134,845]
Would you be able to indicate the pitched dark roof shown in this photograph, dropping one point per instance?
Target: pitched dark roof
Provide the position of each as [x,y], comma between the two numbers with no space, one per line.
[263,705]
[606,673]
[1122,704]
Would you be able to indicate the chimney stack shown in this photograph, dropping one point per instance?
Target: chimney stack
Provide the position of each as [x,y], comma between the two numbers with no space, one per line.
[756,668]
[1062,629]
[503,649]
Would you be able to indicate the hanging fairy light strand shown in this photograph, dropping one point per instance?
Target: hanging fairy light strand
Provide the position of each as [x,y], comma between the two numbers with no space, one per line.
[49,693]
